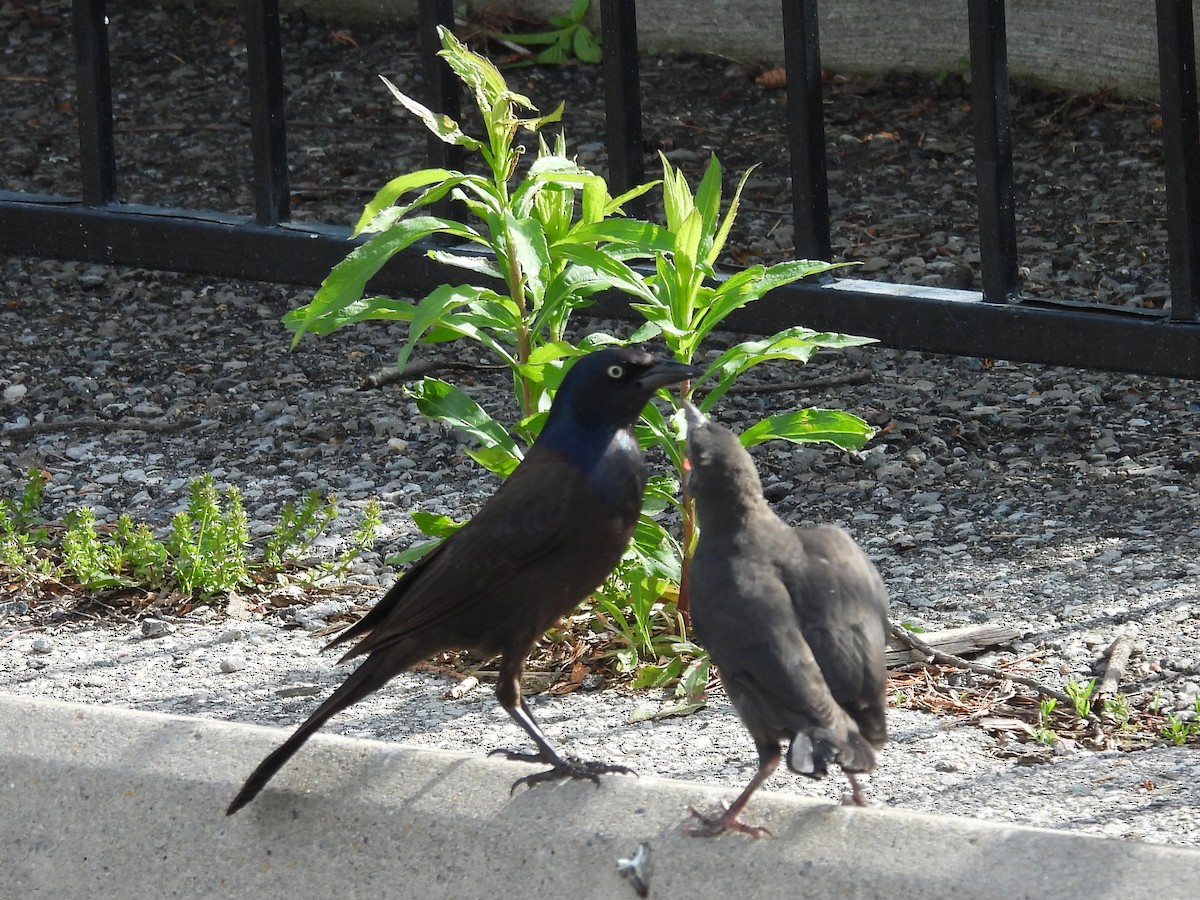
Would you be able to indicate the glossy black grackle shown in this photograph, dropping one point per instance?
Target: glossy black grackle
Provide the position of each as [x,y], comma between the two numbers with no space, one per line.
[549,536]
[794,619]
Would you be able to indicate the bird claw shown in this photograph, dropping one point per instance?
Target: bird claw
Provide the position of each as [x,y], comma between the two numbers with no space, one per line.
[565,768]
[711,826]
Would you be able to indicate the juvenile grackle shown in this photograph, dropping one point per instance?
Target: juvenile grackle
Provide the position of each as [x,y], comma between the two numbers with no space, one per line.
[549,536]
[794,619]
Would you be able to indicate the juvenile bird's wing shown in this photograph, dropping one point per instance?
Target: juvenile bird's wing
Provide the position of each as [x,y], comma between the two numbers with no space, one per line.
[542,517]
[841,604]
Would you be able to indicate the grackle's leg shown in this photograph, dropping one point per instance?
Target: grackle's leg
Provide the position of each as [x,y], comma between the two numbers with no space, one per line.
[508,692]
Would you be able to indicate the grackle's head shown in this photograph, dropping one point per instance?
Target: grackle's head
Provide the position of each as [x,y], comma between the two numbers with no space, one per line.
[720,469]
[610,387]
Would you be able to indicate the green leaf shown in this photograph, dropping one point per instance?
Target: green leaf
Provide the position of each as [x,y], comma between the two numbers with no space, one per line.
[718,240]
[435,524]
[586,47]
[677,196]
[708,198]
[446,403]
[806,426]
[617,274]
[348,279]
[532,254]
[796,343]
[645,236]
[480,264]
[614,205]
[397,187]
[497,460]
[442,126]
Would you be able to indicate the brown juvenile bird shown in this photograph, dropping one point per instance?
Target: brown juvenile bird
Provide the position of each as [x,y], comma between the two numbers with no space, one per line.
[545,540]
[794,619]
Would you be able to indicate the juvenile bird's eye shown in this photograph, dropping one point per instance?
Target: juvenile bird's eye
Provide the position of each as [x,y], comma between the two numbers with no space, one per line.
[615,372]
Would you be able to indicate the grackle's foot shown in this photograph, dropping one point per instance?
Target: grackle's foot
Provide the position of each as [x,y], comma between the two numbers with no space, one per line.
[711,826]
[565,767]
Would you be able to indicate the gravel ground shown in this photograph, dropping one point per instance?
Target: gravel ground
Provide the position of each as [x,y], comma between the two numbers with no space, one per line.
[1059,502]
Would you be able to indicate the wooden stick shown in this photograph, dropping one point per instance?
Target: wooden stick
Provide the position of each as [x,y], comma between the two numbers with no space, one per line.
[955,641]
[1118,654]
[92,423]
[415,370]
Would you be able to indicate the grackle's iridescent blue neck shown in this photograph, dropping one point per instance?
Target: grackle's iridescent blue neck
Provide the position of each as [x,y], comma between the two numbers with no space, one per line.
[608,455]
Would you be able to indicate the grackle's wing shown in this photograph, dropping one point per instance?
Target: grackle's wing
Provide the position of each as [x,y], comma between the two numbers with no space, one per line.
[542,542]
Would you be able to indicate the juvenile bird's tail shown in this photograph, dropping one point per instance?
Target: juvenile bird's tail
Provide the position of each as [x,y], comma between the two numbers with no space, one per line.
[374,672]
[813,749]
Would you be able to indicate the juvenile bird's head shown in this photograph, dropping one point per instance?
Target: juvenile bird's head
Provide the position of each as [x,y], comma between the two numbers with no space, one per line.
[607,390]
[722,473]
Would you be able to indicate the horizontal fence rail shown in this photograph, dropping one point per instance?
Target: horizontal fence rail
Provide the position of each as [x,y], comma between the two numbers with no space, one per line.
[995,323]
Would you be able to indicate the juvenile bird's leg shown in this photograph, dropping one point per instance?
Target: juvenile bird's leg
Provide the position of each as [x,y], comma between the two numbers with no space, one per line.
[710,826]
[857,797]
[508,692]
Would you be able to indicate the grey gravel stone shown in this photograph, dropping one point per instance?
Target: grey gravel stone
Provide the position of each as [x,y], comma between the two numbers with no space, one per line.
[153,628]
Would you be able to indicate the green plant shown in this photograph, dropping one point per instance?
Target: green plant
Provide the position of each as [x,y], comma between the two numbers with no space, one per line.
[1178,730]
[685,299]
[208,540]
[1081,695]
[95,564]
[551,239]
[361,540]
[299,526]
[22,532]
[1042,732]
[569,36]
[1117,709]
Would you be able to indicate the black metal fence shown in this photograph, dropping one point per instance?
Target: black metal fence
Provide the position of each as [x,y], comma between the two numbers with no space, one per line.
[996,322]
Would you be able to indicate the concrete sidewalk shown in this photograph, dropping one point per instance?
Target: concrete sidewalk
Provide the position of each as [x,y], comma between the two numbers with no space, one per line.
[101,802]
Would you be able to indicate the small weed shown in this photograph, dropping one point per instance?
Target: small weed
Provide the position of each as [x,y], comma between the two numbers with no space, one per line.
[1178,730]
[1043,733]
[568,37]
[208,540]
[22,532]
[299,526]
[1081,695]
[1116,708]
[205,554]
[361,540]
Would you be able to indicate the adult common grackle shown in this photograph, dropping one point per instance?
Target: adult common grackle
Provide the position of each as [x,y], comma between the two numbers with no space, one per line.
[550,535]
[795,619]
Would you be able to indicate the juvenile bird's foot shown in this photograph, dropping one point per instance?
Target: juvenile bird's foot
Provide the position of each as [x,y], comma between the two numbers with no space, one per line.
[856,797]
[711,826]
[563,767]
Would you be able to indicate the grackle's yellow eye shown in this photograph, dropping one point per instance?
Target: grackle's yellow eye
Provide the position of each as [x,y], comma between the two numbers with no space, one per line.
[615,372]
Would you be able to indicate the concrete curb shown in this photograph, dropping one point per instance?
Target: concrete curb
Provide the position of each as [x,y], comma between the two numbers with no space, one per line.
[102,802]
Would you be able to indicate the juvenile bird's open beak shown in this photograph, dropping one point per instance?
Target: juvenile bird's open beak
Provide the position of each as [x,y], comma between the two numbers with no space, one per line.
[667,371]
[695,418]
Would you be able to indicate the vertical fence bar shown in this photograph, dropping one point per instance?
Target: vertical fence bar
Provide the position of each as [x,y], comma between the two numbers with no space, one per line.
[993,151]
[268,131]
[622,97]
[1181,148]
[97,156]
[443,93]
[806,128]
